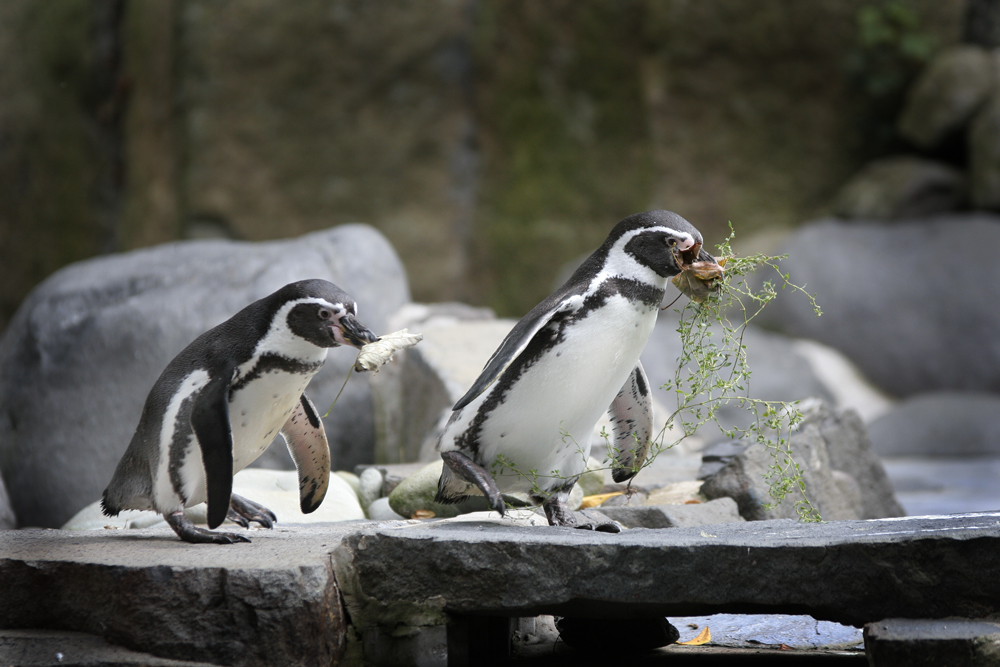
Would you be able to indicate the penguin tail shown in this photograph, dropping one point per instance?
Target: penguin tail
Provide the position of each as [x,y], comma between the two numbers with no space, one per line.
[107,507]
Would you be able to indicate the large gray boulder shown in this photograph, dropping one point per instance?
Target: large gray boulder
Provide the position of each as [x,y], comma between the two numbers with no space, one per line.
[984,155]
[87,344]
[948,92]
[940,424]
[911,303]
[903,186]
[843,477]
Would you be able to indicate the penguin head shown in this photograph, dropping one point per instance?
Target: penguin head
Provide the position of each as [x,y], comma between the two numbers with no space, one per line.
[325,315]
[655,240]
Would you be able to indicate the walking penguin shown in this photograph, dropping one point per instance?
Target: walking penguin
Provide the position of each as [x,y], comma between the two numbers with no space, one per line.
[525,425]
[217,406]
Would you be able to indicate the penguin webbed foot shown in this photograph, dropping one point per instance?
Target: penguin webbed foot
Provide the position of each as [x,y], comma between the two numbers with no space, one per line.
[187,531]
[559,514]
[470,471]
[243,511]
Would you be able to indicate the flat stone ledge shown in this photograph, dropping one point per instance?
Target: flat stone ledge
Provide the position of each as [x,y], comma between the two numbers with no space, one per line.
[851,572]
[57,648]
[273,601]
[956,642]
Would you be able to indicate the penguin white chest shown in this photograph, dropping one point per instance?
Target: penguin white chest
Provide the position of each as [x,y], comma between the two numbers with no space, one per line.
[544,421]
[258,410]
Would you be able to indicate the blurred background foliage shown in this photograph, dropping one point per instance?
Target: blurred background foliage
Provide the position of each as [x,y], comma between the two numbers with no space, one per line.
[491,140]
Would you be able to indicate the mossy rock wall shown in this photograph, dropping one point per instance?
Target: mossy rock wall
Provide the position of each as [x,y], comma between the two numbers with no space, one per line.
[490,140]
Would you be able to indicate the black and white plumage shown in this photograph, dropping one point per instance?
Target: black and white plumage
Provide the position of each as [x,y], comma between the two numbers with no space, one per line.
[525,425]
[218,405]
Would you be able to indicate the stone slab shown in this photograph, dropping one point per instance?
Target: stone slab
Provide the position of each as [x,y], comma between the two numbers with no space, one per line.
[55,648]
[851,572]
[959,642]
[273,601]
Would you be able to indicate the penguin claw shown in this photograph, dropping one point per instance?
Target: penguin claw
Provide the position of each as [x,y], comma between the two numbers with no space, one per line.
[189,532]
[243,511]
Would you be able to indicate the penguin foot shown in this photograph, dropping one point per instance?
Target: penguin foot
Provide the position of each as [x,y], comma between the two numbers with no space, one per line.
[606,527]
[189,532]
[472,472]
[243,511]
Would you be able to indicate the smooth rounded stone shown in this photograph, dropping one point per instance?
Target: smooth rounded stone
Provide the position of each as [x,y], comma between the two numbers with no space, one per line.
[940,424]
[369,487]
[984,155]
[351,479]
[379,510]
[912,309]
[676,494]
[417,492]
[946,94]
[86,346]
[904,186]
[277,490]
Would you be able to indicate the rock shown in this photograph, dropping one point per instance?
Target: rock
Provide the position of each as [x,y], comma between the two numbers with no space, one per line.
[86,346]
[58,648]
[940,424]
[984,155]
[379,510]
[962,642]
[947,93]
[677,493]
[843,478]
[277,490]
[770,630]
[591,482]
[369,487]
[273,602]
[850,572]
[901,187]
[908,307]
[417,492]
[616,636]
[721,510]
[351,479]
[783,368]
[7,519]
[415,392]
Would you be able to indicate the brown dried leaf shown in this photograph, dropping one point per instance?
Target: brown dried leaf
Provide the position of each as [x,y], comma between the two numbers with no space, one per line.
[703,637]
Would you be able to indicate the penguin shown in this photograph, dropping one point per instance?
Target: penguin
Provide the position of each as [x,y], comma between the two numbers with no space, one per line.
[526,422]
[217,406]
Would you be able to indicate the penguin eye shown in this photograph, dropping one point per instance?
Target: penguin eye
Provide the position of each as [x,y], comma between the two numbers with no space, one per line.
[324,314]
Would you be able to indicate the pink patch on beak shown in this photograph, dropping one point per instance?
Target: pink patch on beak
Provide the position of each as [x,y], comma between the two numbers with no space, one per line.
[685,244]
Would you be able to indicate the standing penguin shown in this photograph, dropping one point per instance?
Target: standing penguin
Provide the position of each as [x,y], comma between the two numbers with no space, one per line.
[525,424]
[217,405]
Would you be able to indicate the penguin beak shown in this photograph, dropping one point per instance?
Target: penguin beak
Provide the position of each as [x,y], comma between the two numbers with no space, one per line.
[348,331]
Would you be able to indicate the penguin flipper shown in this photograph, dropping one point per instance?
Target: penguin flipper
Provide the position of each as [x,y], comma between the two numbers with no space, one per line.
[631,425]
[305,437]
[210,421]
[517,340]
